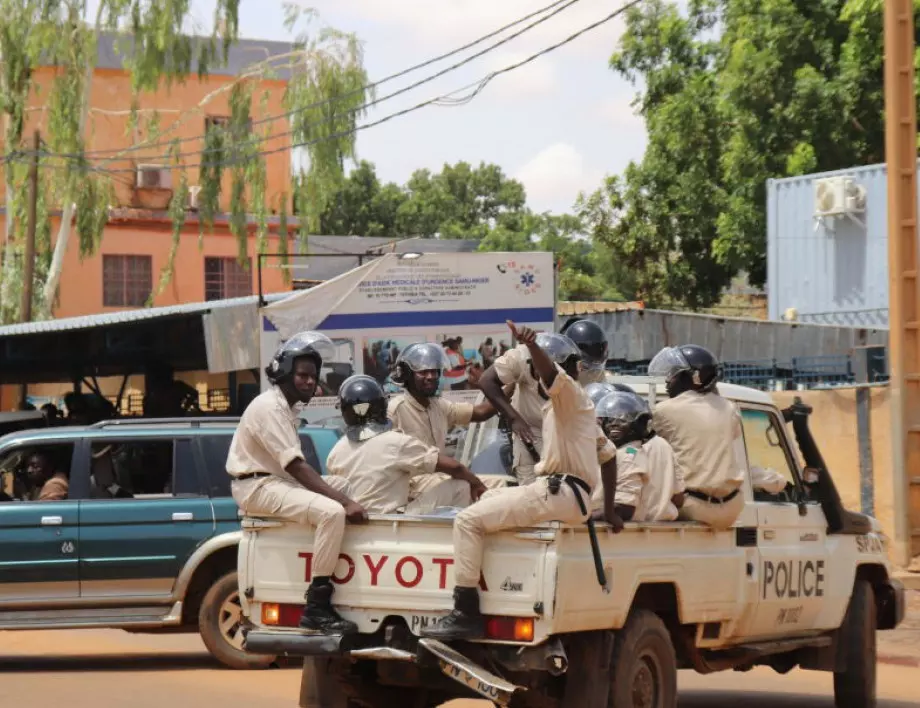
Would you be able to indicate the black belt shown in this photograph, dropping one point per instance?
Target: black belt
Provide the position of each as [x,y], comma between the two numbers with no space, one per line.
[710,499]
[578,485]
[253,475]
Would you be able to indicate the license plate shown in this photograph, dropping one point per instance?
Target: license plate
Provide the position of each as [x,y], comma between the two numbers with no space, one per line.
[419,622]
[460,674]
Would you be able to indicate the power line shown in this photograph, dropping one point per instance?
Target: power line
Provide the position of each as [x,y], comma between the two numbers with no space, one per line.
[477,87]
[559,5]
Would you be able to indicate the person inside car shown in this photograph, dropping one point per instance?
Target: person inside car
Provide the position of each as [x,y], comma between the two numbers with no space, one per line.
[48,483]
[379,462]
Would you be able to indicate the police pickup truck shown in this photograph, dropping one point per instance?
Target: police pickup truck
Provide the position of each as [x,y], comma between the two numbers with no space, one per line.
[799,582]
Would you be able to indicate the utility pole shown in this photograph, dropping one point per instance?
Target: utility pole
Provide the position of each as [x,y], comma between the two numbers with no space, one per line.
[903,283]
[28,262]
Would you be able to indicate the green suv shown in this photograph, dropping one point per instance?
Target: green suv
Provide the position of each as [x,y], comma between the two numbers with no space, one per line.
[144,538]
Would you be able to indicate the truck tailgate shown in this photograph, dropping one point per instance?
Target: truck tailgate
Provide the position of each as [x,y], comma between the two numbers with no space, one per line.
[393,566]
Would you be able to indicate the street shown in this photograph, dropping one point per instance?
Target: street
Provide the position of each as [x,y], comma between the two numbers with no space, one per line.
[112,669]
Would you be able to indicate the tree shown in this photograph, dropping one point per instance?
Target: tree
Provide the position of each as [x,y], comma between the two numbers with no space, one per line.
[363,206]
[786,87]
[325,97]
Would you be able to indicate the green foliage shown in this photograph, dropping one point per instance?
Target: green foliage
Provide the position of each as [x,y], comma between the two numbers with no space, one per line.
[733,93]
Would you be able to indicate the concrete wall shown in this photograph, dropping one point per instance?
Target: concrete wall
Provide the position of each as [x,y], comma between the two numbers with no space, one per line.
[833,425]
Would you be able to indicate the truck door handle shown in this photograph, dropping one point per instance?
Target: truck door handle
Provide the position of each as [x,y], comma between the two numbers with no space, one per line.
[52,520]
[183,516]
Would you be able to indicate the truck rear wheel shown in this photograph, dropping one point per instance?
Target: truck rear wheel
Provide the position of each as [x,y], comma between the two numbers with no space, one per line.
[644,664]
[220,623]
[854,687]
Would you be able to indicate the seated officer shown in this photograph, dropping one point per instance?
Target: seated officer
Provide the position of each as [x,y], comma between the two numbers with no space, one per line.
[649,484]
[378,462]
[705,431]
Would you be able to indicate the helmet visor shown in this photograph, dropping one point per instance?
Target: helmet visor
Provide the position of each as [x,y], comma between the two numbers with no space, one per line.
[594,356]
[424,357]
[621,407]
[559,347]
[668,362]
[596,391]
[309,341]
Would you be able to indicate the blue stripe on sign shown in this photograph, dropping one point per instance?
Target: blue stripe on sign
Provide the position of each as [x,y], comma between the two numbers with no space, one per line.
[436,318]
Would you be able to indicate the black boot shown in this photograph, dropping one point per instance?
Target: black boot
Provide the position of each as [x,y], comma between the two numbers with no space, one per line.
[464,621]
[318,614]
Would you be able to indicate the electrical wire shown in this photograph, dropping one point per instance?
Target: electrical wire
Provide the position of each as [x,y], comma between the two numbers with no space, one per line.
[477,88]
[556,7]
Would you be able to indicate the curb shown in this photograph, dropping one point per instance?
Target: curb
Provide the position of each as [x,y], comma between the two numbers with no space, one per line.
[896,660]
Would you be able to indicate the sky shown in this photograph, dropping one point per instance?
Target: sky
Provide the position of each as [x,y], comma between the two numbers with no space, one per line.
[558,124]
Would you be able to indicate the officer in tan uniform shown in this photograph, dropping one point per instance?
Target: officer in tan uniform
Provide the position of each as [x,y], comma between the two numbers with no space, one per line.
[705,431]
[271,476]
[649,484]
[423,414]
[379,462]
[567,472]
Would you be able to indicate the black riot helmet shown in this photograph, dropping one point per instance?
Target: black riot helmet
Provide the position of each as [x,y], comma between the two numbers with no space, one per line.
[310,345]
[624,417]
[688,367]
[363,403]
[418,357]
[561,350]
[590,338]
[597,391]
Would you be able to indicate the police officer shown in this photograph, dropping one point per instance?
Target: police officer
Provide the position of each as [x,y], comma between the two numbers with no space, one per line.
[592,341]
[597,391]
[378,462]
[649,484]
[567,472]
[271,476]
[423,414]
[705,431]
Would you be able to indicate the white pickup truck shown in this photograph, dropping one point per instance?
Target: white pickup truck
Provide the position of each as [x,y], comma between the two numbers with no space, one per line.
[798,582]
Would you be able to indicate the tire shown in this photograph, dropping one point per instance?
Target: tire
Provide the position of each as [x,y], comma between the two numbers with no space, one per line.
[320,686]
[854,687]
[644,665]
[220,623]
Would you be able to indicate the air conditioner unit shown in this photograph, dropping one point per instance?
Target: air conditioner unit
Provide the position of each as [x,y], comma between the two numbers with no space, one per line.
[153,177]
[839,196]
[193,191]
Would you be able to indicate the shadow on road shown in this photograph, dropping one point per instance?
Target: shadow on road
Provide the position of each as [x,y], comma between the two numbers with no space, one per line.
[108,662]
[731,699]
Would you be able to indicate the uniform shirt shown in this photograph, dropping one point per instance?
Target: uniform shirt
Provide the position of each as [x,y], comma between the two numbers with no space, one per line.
[266,439]
[428,424]
[513,367]
[769,480]
[570,432]
[647,478]
[378,469]
[704,429]
[55,489]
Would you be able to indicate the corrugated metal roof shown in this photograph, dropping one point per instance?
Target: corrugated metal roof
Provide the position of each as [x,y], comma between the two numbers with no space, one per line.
[582,307]
[103,319]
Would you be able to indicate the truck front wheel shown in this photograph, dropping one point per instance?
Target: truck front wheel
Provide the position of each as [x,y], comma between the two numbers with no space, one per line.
[644,664]
[220,623]
[854,687]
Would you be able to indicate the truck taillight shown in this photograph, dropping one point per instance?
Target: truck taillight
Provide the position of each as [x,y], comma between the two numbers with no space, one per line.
[281,615]
[510,629]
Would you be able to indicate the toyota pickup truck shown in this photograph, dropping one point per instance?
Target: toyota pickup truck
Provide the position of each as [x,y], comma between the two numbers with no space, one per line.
[798,582]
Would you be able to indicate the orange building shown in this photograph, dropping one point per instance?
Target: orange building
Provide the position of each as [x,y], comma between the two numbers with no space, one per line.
[126,268]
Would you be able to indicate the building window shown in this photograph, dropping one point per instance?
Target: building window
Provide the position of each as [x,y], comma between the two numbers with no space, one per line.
[225,277]
[127,281]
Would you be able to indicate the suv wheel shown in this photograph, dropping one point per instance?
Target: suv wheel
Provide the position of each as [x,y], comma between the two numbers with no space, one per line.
[220,622]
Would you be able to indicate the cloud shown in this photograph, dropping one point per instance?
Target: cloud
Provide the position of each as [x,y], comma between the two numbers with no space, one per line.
[618,112]
[461,21]
[554,177]
[538,78]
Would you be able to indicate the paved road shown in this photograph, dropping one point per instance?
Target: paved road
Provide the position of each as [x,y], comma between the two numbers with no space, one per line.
[112,669]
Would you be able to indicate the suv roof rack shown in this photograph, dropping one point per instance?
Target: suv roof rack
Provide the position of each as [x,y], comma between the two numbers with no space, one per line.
[191,422]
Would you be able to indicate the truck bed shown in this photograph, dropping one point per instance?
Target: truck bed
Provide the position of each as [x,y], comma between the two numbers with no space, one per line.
[402,566]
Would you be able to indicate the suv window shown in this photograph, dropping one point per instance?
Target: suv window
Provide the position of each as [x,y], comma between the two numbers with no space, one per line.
[766,448]
[143,469]
[25,472]
[216,447]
